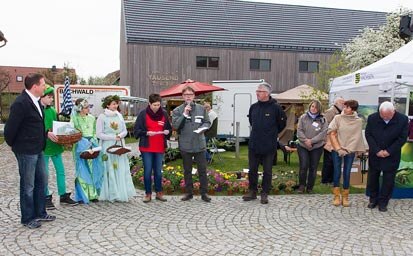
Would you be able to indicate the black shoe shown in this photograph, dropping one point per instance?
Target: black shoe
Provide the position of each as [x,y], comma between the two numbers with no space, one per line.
[382,208]
[300,189]
[46,217]
[251,195]
[49,203]
[94,200]
[67,200]
[205,198]
[264,198]
[187,197]
[372,205]
[309,190]
[33,224]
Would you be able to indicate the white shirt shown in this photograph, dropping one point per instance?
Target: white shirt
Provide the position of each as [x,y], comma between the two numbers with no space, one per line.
[212,115]
[35,101]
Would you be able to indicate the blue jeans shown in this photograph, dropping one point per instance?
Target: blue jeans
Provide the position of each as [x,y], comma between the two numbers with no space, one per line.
[348,162]
[33,181]
[152,161]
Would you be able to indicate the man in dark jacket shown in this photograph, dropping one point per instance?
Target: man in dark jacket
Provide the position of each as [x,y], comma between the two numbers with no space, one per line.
[386,132]
[25,133]
[266,118]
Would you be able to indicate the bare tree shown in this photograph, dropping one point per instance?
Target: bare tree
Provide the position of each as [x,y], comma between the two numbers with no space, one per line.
[5,79]
[52,76]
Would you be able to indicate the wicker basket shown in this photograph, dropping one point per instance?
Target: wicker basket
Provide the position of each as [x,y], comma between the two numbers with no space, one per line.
[88,155]
[69,139]
[117,149]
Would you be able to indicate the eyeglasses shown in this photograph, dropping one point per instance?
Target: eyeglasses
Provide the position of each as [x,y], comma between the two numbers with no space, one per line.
[188,94]
[257,91]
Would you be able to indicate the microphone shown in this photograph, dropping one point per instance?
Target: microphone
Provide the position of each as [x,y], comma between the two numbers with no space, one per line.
[188,103]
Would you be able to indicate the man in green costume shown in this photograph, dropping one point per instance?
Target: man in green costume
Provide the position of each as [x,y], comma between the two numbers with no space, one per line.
[54,151]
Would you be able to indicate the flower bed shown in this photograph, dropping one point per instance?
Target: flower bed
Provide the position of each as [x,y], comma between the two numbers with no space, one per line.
[218,181]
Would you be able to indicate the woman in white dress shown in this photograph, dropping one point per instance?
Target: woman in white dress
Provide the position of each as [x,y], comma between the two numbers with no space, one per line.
[110,128]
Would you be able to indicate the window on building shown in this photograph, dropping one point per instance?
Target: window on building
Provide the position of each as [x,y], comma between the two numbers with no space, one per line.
[308,66]
[19,78]
[260,64]
[207,62]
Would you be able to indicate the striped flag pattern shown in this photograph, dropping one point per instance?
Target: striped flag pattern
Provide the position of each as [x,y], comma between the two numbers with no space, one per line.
[67,104]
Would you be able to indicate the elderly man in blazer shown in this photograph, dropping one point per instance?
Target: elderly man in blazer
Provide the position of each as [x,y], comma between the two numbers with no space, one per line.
[386,132]
[25,133]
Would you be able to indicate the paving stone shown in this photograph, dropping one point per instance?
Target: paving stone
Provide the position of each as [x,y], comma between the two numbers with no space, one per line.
[288,225]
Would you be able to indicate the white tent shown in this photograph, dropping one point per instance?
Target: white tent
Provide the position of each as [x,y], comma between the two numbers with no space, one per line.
[389,77]
[395,68]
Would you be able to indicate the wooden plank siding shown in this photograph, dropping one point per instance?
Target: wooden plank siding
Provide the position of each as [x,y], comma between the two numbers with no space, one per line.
[151,68]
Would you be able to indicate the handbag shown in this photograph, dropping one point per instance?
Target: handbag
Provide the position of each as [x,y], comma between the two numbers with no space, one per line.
[117,149]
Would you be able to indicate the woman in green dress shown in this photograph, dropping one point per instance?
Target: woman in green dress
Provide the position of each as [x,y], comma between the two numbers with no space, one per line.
[88,174]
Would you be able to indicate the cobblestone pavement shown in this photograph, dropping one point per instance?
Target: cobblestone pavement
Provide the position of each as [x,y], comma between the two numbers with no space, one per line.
[288,225]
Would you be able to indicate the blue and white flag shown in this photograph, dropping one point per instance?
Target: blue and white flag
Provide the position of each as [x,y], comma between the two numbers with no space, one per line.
[67,104]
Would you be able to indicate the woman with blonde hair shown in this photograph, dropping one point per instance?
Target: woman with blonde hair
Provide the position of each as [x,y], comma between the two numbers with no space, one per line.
[311,133]
[346,137]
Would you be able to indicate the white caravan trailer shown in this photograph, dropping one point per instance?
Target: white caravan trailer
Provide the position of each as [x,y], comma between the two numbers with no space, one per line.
[232,106]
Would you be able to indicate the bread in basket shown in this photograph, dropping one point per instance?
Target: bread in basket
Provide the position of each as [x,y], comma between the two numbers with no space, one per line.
[117,149]
[90,153]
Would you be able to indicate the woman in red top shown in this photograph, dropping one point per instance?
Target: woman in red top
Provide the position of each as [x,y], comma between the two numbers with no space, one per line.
[153,128]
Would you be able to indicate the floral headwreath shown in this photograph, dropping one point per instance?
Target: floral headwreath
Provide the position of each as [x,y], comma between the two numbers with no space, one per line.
[81,105]
[108,99]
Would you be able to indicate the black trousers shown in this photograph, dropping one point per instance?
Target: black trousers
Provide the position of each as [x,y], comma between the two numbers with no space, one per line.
[380,195]
[254,160]
[328,168]
[201,163]
[309,160]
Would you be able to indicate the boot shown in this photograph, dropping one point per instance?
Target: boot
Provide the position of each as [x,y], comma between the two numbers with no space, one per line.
[49,203]
[251,195]
[264,198]
[147,198]
[65,198]
[336,193]
[159,196]
[344,195]
[187,197]
[205,198]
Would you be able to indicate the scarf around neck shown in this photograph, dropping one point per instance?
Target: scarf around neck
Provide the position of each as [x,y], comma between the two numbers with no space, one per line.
[109,112]
[154,116]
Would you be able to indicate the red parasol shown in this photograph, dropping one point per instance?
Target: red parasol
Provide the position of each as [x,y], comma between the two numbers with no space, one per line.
[199,87]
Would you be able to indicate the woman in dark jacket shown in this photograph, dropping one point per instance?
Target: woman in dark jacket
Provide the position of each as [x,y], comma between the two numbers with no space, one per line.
[153,128]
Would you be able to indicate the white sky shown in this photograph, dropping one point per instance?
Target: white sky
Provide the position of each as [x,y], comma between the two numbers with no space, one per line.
[85,33]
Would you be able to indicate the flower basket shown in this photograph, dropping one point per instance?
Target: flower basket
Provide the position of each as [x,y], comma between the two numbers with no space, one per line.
[211,192]
[230,192]
[69,139]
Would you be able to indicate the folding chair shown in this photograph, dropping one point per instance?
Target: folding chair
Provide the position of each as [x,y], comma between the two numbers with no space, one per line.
[213,149]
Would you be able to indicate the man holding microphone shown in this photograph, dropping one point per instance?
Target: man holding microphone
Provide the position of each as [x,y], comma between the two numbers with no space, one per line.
[191,120]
